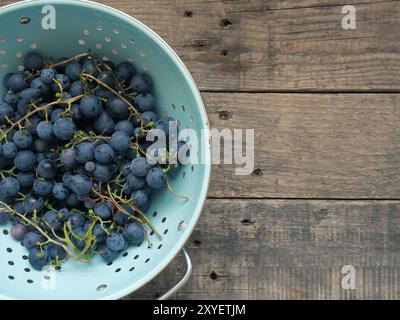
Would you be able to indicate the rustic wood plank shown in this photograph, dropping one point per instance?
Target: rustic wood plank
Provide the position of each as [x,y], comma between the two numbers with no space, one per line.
[274,45]
[290,249]
[312,145]
[278,45]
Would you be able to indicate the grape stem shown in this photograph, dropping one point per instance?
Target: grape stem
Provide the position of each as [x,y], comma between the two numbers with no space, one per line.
[37,109]
[69,252]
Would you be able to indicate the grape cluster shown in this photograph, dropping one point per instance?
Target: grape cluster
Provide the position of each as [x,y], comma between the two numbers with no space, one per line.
[76,173]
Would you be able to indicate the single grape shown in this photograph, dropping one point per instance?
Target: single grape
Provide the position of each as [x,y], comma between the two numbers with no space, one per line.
[108,254]
[40,85]
[126,126]
[60,192]
[145,102]
[155,178]
[42,187]
[45,131]
[104,153]
[115,241]
[47,75]
[141,83]
[11,98]
[84,152]
[140,199]
[107,78]
[56,115]
[120,141]
[104,124]
[17,82]
[64,128]
[102,210]
[67,157]
[6,112]
[47,169]
[91,106]
[76,88]
[33,61]
[33,203]
[30,94]
[81,184]
[72,70]
[38,258]
[57,252]
[124,71]
[25,160]
[134,182]
[77,220]
[33,239]
[10,150]
[22,139]
[133,233]
[140,167]
[18,231]
[118,109]
[26,179]
[103,172]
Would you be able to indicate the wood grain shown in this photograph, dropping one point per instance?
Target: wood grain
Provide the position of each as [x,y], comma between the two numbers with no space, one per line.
[263,45]
[312,145]
[288,249]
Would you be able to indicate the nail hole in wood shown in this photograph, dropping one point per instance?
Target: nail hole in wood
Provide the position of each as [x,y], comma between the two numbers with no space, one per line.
[224,115]
[188,14]
[257,172]
[225,23]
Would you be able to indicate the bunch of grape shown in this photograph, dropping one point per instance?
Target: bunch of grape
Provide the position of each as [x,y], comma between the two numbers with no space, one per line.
[76,173]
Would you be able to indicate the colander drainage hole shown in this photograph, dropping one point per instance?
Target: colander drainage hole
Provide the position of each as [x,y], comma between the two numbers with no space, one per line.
[27,270]
[125,254]
[101,288]
[164,219]
[154,214]
[5,232]
[9,250]
[131,269]
[147,260]
[11,277]
[11,263]
[29,281]
[109,263]
[117,270]
[151,232]
[159,247]
[166,231]
[24,20]
[136,257]
[25,257]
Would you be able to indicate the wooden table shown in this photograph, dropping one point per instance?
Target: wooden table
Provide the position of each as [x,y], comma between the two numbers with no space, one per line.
[325,107]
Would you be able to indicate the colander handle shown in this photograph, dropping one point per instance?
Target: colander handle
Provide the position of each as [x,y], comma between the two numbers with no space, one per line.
[184,279]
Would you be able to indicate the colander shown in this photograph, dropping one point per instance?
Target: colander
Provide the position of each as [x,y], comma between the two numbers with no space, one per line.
[64,28]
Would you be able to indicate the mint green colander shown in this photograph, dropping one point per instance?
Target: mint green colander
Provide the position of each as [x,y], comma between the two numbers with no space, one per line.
[64,28]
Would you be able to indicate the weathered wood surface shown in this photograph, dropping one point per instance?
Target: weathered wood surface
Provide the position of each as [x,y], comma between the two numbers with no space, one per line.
[312,145]
[308,146]
[288,249]
[274,45]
